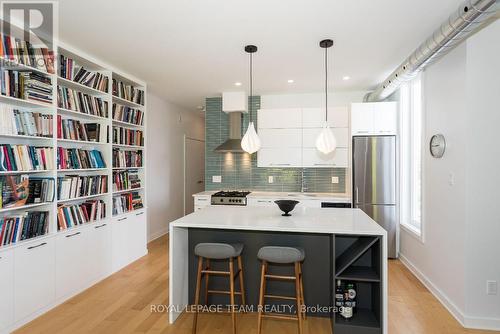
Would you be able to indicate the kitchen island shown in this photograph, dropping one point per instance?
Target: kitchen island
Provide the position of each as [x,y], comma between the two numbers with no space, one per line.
[340,244]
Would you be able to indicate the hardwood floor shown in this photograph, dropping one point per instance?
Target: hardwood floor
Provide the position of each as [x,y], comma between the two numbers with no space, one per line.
[122,304]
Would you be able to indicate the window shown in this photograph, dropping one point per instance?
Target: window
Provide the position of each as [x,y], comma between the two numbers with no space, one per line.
[411,156]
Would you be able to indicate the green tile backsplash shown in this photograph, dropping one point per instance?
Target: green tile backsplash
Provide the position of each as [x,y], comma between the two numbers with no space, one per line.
[240,171]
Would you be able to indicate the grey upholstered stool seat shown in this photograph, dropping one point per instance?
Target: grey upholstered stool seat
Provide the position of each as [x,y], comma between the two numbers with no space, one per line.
[281,254]
[211,250]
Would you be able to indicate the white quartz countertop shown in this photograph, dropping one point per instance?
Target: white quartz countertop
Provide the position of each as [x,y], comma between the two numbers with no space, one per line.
[339,197]
[303,219]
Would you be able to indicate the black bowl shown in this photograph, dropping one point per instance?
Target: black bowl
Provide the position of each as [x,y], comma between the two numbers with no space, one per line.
[286,206]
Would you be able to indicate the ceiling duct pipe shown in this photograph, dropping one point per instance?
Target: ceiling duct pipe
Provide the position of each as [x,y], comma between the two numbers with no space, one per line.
[462,23]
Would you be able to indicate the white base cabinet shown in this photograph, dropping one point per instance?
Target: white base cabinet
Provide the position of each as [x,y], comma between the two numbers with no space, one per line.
[37,275]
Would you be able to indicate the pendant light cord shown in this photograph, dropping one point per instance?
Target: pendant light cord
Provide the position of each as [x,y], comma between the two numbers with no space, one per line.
[251,86]
[326,85]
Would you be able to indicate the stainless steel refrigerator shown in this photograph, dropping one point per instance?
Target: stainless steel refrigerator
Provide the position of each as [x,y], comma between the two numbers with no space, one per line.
[374,183]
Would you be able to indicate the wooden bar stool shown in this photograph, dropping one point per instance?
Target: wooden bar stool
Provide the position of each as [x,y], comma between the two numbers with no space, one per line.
[282,255]
[219,251]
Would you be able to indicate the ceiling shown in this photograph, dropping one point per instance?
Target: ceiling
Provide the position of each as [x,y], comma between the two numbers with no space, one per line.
[190,49]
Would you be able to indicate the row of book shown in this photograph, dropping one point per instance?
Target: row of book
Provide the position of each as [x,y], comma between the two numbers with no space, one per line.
[77,130]
[23,52]
[25,158]
[127,202]
[71,99]
[18,122]
[19,190]
[74,186]
[23,227]
[125,180]
[73,215]
[69,69]
[26,85]
[123,158]
[75,158]
[128,115]
[128,92]
[124,136]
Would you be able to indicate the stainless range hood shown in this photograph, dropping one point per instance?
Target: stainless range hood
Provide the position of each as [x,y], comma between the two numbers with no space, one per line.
[233,144]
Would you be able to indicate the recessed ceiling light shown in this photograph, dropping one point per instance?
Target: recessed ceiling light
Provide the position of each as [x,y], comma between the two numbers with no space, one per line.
[290,80]
[346,77]
[237,83]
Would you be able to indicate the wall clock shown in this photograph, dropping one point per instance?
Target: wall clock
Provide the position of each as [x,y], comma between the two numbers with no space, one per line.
[437,145]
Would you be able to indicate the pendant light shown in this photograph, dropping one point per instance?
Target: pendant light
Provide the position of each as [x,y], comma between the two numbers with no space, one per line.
[250,142]
[326,142]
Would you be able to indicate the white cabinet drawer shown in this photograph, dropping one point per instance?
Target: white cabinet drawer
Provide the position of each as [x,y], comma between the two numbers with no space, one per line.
[309,137]
[34,277]
[201,200]
[7,293]
[279,118]
[260,202]
[314,158]
[279,138]
[72,262]
[279,157]
[315,117]
[99,251]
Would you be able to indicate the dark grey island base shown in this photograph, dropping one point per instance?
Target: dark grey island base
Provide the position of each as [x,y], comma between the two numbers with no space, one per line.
[329,257]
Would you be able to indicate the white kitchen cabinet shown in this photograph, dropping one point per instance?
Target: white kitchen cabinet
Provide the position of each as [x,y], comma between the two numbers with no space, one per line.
[378,118]
[34,277]
[252,201]
[72,262]
[201,201]
[7,293]
[99,251]
[119,233]
[279,157]
[338,117]
[311,157]
[279,138]
[129,238]
[137,236]
[279,118]
[309,137]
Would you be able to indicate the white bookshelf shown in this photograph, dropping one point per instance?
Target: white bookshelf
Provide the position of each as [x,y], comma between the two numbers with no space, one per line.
[123,236]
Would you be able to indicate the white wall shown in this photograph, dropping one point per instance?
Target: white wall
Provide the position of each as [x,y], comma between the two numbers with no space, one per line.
[312,100]
[461,248]
[166,126]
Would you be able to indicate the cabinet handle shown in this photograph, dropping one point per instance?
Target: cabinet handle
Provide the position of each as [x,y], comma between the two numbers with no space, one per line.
[202,199]
[72,235]
[40,245]
[273,164]
[100,226]
[262,201]
[357,198]
[362,131]
[325,164]
[120,219]
[140,213]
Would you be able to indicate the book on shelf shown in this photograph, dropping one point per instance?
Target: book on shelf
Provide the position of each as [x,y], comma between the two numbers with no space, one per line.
[14,121]
[25,158]
[127,202]
[128,92]
[78,130]
[20,190]
[128,115]
[122,158]
[23,226]
[70,70]
[74,186]
[125,180]
[71,99]
[78,214]
[75,158]
[124,136]
[26,85]
[23,52]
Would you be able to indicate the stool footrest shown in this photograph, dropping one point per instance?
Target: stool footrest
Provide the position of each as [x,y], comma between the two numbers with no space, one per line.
[280,297]
[220,272]
[223,292]
[279,316]
[279,277]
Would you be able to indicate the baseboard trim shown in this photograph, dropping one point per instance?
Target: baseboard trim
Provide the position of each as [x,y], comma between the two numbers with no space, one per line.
[157,235]
[464,320]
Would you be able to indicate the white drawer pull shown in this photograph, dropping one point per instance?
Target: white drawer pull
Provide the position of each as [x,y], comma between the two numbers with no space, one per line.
[40,245]
[100,226]
[140,213]
[120,219]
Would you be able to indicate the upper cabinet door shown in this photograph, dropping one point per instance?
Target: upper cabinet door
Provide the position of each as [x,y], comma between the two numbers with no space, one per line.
[309,137]
[361,118]
[276,138]
[279,118]
[338,117]
[314,158]
[279,157]
[385,118]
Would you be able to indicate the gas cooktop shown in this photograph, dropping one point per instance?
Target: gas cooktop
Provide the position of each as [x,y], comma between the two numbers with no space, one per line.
[230,197]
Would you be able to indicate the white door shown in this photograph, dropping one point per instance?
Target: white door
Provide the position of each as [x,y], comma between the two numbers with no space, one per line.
[99,251]
[361,118]
[194,171]
[6,294]
[34,273]
[72,262]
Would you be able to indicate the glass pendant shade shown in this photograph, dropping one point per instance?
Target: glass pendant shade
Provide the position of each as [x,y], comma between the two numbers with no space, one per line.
[250,142]
[326,142]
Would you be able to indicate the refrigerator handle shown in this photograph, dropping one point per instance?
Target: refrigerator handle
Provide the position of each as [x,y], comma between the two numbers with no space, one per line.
[357,197]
